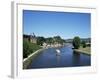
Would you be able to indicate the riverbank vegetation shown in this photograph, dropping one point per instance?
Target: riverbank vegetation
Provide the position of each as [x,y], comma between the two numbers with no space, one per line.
[29,48]
[50,40]
[41,42]
[76,42]
[81,46]
[86,50]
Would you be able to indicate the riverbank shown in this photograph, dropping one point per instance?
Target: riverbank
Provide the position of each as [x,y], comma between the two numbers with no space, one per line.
[86,50]
[27,61]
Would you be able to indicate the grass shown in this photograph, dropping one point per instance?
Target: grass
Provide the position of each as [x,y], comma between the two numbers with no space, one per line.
[86,50]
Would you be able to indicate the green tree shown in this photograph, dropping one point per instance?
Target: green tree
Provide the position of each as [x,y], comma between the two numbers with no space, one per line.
[40,40]
[76,42]
[83,44]
[49,40]
[58,39]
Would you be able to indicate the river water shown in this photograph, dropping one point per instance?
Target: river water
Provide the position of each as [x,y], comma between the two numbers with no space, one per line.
[67,58]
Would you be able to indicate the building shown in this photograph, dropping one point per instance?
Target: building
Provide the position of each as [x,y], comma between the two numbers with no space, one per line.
[31,38]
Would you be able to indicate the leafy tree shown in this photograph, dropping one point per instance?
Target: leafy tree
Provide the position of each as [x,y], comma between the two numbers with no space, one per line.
[76,42]
[58,39]
[40,40]
[83,44]
[49,40]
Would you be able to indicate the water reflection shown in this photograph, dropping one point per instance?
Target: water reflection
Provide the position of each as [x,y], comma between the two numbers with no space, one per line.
[58,57]
[76,58]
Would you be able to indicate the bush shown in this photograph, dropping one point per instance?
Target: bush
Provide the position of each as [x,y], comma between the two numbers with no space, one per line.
[40,40]
[88,45]
[76,42]
[26,48]
[29,48]
[83,44]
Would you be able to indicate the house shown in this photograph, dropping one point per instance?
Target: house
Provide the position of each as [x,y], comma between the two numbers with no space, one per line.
[31,38]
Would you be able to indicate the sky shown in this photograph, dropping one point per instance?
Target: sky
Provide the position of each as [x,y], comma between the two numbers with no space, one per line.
[49,24]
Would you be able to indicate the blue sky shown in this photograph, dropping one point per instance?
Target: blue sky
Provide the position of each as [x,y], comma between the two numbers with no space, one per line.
[49,24]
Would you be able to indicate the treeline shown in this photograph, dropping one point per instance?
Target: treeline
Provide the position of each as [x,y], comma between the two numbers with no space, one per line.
[50,40]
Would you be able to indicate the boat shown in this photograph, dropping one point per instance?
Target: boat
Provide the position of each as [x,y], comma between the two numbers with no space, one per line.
[57,52]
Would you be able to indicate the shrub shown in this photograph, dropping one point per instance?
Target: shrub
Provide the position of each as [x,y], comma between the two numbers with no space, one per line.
[26,48]
[29,48]
[83,44]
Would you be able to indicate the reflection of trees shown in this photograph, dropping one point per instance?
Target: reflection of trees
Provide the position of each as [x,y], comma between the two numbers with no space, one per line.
[76,58]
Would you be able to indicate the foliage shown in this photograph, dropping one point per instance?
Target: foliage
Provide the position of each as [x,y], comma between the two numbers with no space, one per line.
[55,39]
[58,39]
[49,40]
[88,45]
[83,44]
[76,42]
[40,40]
[29,48]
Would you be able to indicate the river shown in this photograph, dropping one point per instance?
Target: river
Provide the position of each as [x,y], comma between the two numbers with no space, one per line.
[67,58]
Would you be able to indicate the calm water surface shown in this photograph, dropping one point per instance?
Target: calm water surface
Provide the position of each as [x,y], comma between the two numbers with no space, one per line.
[49,59]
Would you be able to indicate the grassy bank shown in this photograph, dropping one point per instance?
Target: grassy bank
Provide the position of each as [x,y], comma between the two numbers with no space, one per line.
[29,48]
[30,51]
[86,50]
[27,61]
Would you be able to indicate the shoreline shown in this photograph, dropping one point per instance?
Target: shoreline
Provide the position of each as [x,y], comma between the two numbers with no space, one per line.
[81,51]
[27,61]
[32,54]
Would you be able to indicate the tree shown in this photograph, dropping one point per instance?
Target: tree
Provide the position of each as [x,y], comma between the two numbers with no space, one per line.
[83,44]
[76,42]
[40,40]
[58,39]
[49,40]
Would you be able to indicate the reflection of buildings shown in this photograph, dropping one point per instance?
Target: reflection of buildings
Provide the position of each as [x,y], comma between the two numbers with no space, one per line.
[31,38]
